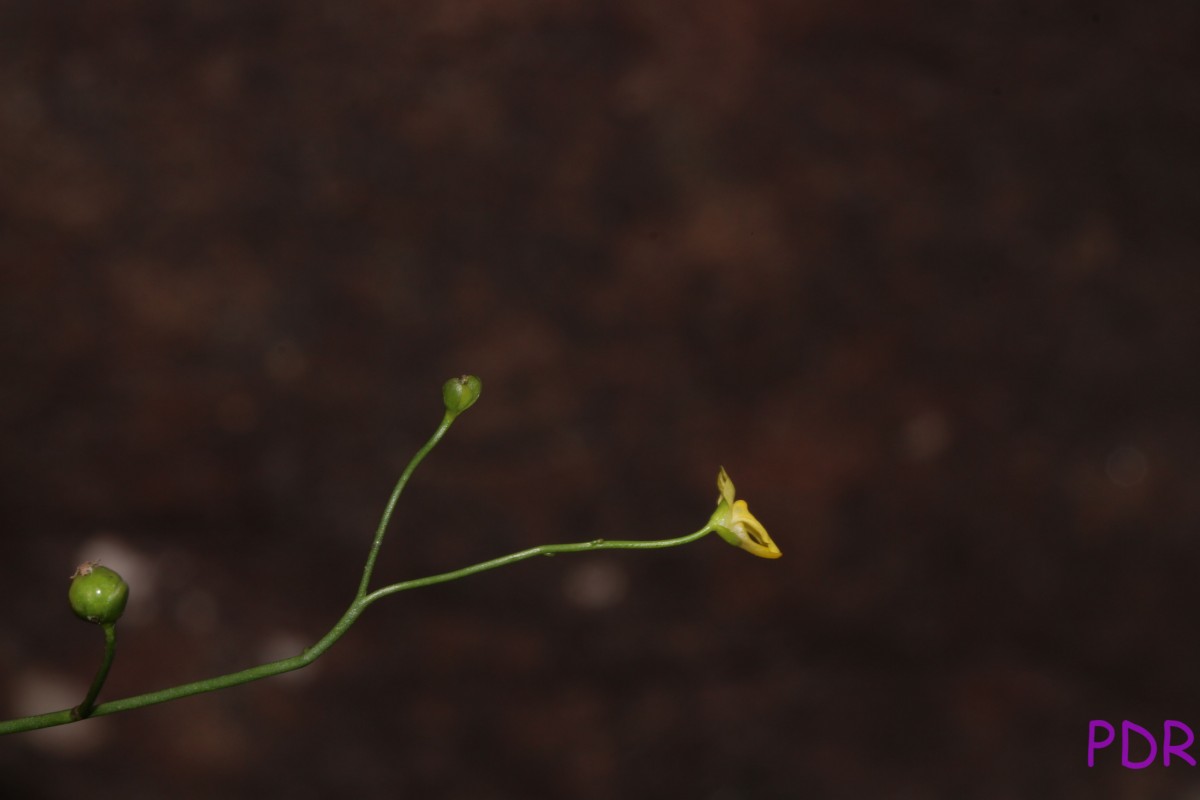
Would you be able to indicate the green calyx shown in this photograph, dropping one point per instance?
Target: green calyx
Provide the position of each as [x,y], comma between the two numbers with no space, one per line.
[722,522]
[97,594]
[460,393]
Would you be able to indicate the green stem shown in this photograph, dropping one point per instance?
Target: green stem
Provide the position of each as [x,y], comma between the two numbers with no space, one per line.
[336,632]
[391,503]
[84,709]
[541,550]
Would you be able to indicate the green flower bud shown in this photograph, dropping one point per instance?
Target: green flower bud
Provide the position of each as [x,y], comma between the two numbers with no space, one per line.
[97,594]
[459,394]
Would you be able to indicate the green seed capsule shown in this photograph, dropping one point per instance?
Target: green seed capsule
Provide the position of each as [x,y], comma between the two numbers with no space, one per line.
[459,394]
[97,594]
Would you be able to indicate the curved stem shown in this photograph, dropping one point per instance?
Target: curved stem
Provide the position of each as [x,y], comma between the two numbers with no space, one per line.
[84,709]
[541,550]
[312,653]
[391,503]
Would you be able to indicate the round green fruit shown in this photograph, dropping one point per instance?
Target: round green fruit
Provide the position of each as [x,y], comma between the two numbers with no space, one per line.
[459,394]
[97,594]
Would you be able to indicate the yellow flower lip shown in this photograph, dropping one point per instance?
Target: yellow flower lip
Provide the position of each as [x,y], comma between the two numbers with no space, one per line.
[735,524]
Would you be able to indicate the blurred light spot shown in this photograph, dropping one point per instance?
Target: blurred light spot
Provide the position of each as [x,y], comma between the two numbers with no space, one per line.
[285,362]
[238,412]
[137,570]
[1126,466]
[1092,246]
[38,691]
[925,436]
[21,110]
[197,612]
[595,584]
[280,645]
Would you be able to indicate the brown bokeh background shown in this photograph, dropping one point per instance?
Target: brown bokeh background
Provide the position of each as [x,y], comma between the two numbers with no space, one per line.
[923,277]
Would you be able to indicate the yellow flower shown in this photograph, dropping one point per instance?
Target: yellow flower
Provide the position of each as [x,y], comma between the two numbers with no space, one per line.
[736,525]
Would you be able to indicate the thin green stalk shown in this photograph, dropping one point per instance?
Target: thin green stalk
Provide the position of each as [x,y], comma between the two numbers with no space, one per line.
[391,503]
[336,632]
[541,550]
[84,709]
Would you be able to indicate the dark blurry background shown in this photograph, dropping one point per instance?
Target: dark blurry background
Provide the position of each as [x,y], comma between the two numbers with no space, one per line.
[921,276]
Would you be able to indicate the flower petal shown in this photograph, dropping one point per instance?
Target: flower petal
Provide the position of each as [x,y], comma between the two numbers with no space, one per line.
[725,487]
[754,537]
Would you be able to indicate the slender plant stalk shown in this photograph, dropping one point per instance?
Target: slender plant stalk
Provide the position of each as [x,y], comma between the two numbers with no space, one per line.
[336,632]
[84,709]
[541,550]
[458,394]
[391,503]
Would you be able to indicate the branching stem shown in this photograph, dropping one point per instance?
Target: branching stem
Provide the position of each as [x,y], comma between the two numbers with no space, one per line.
[311,654]
[362,599]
